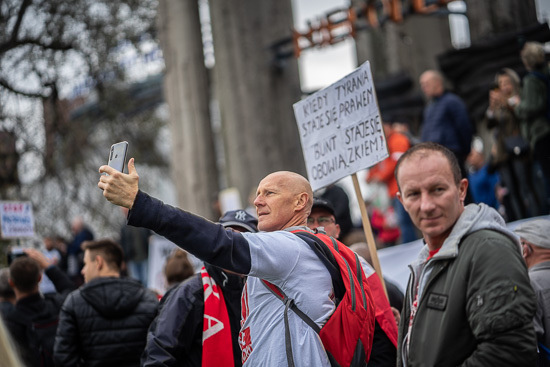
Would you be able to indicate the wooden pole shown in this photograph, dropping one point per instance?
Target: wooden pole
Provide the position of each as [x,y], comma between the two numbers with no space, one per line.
[368,231]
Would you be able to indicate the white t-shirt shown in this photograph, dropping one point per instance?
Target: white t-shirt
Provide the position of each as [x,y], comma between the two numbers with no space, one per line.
[285,260]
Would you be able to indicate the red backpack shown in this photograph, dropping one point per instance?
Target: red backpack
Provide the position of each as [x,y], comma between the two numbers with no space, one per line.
[348,333]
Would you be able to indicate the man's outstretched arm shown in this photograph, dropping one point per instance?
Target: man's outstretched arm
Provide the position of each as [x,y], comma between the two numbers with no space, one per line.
[208,241]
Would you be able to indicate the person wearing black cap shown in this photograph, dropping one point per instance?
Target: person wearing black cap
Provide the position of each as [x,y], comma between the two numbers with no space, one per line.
[322,216]
[194,319]
[384,344]
[336,195]
[535,242]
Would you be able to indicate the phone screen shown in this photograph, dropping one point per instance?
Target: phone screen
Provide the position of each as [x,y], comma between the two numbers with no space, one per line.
[117,155]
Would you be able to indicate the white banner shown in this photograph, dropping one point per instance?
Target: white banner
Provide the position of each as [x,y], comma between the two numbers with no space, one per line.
[341,128]
[16,219]
[159,249]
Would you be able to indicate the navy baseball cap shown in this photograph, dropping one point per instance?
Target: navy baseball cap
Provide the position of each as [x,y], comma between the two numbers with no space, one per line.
[239,218]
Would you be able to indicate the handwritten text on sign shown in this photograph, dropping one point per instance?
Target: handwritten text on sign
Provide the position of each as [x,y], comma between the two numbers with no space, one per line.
[341,129]
[16,219]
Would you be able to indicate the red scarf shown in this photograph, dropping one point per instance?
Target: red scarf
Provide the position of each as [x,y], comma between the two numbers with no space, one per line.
[217,349]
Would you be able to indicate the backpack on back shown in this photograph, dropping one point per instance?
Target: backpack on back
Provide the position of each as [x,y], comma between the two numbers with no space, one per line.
[348,333]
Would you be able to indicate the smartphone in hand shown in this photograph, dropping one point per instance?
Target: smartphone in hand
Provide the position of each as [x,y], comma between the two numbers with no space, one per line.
[117,156]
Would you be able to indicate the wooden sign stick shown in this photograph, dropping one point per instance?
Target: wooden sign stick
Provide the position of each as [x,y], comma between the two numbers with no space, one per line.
[368,231]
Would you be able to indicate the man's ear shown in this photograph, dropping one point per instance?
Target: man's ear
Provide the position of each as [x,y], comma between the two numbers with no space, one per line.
[463,189]
[100,262]
[10,281]
[301,201]
[526,250]
[337,231]
[398,195]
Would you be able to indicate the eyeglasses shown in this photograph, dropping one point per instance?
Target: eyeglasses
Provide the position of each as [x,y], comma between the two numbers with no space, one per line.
[323,221]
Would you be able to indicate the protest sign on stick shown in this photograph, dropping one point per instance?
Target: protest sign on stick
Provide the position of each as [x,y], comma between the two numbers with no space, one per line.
[16,219]
[341,133]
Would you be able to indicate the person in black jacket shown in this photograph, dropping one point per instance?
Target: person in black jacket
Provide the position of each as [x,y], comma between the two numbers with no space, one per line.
[104,322]
[33,321]
[175,338]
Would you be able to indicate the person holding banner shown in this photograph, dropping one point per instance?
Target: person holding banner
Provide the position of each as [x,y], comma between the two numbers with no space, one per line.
[468,301]
[283,203]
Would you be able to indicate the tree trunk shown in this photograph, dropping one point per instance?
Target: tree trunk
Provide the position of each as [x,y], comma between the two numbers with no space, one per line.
[187,92]
[255,97]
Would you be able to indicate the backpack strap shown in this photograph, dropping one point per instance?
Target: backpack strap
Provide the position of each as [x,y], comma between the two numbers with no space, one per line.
[289,303]
[327,258]
[359,273]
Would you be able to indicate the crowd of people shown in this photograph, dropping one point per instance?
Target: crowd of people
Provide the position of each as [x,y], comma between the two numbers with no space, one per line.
[507,167]
[478,292]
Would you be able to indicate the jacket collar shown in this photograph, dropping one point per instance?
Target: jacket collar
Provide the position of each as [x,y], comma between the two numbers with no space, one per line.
[474,218]
[540,266]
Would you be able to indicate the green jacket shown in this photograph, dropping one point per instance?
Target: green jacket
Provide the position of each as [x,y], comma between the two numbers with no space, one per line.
[532,108]
[476,304]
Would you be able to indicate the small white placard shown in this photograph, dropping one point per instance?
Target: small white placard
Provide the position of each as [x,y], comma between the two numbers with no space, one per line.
[16,219]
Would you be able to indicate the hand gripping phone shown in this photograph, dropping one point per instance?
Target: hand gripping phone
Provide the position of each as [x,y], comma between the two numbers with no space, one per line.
[117,156]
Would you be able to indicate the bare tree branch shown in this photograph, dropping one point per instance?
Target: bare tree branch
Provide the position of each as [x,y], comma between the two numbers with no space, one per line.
[8,86]
[22,11]
[54,45]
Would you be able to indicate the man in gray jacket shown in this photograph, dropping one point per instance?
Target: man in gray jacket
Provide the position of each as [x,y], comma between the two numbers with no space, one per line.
[535,241]
[468,301]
